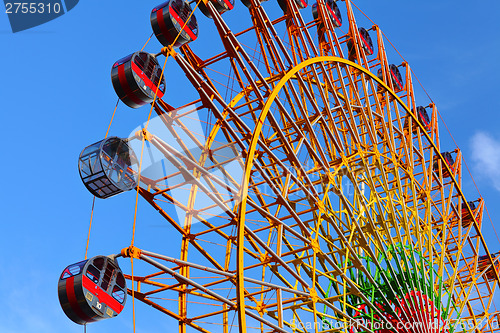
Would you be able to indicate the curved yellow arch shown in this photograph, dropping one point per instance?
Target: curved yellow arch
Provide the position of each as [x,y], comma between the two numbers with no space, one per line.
[251,154]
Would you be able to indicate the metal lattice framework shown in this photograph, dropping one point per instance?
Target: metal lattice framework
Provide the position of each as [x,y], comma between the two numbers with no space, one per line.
[345,208]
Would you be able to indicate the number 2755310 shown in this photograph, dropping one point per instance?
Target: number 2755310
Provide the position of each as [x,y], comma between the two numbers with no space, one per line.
[32,8]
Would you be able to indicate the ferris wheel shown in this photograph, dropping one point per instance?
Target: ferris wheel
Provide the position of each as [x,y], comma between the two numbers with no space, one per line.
[304,179]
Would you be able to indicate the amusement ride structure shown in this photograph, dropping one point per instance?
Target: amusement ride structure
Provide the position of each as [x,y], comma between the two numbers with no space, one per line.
[322,197]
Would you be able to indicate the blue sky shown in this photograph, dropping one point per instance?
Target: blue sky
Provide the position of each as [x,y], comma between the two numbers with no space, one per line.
[57,98]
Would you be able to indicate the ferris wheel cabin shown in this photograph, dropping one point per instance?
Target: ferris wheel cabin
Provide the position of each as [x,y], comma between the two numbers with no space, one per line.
[467,218]
[92,290]
[423,118]
[366,44]
[174,23]
[395,77]
[107,167]
[484,263]
[448,159]
[301,4]
[248,3]
[221,6]
[137,79]
[333,12]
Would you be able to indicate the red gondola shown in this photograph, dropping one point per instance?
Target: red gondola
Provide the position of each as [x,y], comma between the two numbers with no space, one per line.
[366,44]
[92,290]
[466,217]
[448,160]
[247,3]
[395,75]
[423,118]
[333,12]
[301,4]
[483,262]
[221,6]
[137,79]
[397,79]
[174,19]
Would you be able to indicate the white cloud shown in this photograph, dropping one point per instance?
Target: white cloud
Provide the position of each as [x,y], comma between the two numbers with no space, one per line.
[486,157]
[29,301]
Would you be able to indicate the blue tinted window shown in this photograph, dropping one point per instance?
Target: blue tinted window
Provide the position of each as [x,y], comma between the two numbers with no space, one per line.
[73,270]
[93,274]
